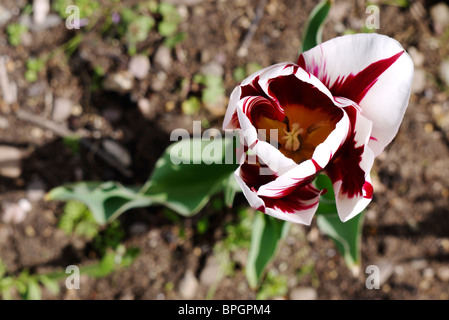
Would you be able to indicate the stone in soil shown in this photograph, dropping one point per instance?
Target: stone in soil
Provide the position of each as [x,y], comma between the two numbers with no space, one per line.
[62,109]
[118,152]
[188,285]
[303,293]
[139,66]
[10,161]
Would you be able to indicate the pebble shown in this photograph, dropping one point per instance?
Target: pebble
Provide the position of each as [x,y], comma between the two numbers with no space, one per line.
[41,8]
[419,81]
[35,190]
[386,269]
[417,57]
[158,82]
[62,109]
[212,68]
[339,11]
[138,228]
[162,58]
[112,114]
[16,212]
[188,285]
[428,273]
[146,108]
[211,273]
[10,162]
[118,152]
[30,231]
[121,82]
[443,273]
[36,89]
[139,66]
[444,72]
[218,107]
[26,39]
[418,264]
[5,15]
[50,21]
[440,17]
[313,235]
[4,123]
[303,293]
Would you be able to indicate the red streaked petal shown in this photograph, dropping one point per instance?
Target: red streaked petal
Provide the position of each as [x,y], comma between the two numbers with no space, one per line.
[302,174]
[298,207]
[350,169]
[356,86]
[256,106]
[251,175]
[371,69]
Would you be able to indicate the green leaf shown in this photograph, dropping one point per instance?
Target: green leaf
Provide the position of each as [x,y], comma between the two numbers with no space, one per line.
[315,24]
[106,200]
[33,291]
[102,269]
[51,284]
[346,235]
[191,106]
[190,172]
[231,188]
[267,231]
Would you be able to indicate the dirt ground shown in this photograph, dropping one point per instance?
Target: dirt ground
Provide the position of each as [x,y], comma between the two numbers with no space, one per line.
[405,231]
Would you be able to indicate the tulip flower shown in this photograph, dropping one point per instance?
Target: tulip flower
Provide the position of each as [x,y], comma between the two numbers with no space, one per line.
[331,113]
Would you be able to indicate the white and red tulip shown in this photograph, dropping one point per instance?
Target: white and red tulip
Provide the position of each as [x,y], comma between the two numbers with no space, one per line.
[332,112]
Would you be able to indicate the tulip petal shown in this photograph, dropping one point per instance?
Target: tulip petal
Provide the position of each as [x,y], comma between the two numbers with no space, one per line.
[350,169]
[248,87]
[372,70]
[230,121]
[299,207]
[267,153]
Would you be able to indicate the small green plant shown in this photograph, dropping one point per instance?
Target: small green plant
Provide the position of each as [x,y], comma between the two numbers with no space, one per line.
[26,285]
[135,24]
[191,106]
[274,285]
[397,3]
[87,8]
[239,234]
[34,66]
[202,225]
[111,237]
[97,78]
[72,143]
[213,87]
[168,26]
[15,32]
[77,219]
[241,72]
[111,261]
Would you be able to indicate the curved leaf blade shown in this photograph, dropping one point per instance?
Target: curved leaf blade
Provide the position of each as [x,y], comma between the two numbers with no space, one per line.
[190,172]
[267,231]
[106,200]
[315,24]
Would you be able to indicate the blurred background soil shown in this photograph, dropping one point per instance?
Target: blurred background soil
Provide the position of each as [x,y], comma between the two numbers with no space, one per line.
[126,100]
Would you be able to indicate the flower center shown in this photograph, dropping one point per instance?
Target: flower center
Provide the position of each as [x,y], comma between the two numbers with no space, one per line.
[301,131]
[292,138]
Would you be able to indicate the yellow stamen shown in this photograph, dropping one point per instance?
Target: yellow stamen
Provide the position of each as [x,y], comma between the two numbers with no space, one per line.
[292,138]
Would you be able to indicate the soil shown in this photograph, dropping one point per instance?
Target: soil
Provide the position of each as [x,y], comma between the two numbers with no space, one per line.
[405,231]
